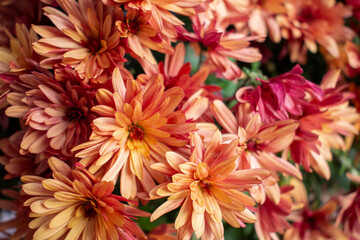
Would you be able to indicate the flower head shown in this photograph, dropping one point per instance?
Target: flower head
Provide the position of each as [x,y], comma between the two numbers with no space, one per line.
[260,142]
[76,205]
[208,188]
[135,127]
[308,23]
[218,45]
[86,38]
[56,109]
[311,224]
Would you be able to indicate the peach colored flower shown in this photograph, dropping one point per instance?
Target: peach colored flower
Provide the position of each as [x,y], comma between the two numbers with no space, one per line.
[16,164]
[140,34]
[308,23]
[18,59]
[56,109]
[262,18]
[218,45]
[260,143]
[22,56]
[208,188]
[85,37]
[162,17]
[76,205]
[134,129]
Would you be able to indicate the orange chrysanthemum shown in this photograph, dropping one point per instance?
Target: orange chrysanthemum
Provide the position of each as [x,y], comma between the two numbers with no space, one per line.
[135,128]
[140,34]
[86,39]
[162,18]
[309,22]
[208,187]
[56,109]
[76,205]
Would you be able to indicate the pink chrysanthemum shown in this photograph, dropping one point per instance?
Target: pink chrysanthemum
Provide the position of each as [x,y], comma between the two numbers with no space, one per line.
[56,109]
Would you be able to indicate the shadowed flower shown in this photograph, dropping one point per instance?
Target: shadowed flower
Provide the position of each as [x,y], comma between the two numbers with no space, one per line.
[309,22]
[208,188]
[349,215]
[260,143]
[76,205]
[18,59]
[55,108]
[16,164]
[135,128]
[16,228]
[218,45]
[13,12]
[86,38]
[308,224]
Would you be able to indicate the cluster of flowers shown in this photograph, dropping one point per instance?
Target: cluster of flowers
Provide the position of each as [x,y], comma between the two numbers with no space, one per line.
[96,136]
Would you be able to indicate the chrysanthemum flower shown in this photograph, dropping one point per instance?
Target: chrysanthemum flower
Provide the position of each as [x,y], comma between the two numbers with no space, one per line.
[86,38]
[310,22]
[74,204]
[56,109]
[218,46]
[18,59]
[13,12]
[322,126]
[349,215]
[162,17]
[260,143]
[281,96]
[208,188]
[16,228]
[176,74]
[135,128]
[21,50]
[262,20]
[308,224]
[140,34]
[272,217]
[16,164]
